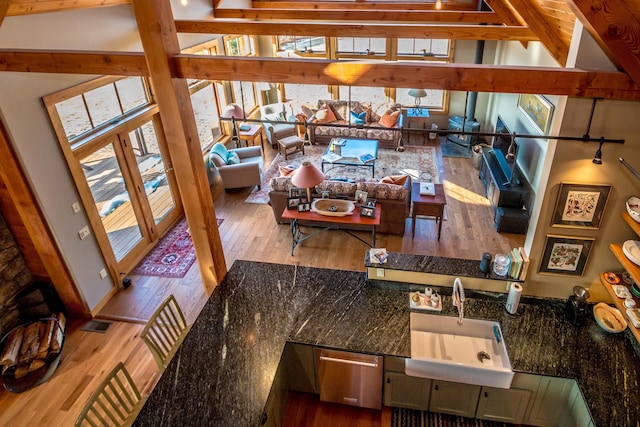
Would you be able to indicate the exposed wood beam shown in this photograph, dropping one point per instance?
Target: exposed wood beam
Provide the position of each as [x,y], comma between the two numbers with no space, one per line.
[12,174]
[27,7]
[460,77]
[436,31]
[360,15]
[549,36]
[4,7]
[358,5]
[160,41]
[76,62]
[616,28]
[508,15]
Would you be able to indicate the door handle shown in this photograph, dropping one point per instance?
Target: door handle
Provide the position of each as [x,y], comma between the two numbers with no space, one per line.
[349,362]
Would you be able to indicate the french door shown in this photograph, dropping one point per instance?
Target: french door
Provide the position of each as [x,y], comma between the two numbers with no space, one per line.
[129,191]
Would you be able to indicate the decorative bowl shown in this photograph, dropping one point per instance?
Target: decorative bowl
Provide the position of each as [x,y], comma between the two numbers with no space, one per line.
[633,207]
[609,318]
[333,207]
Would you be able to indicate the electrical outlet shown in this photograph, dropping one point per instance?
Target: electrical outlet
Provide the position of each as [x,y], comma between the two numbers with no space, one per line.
[75,206]
[103,273]
[84,232]
[380,272]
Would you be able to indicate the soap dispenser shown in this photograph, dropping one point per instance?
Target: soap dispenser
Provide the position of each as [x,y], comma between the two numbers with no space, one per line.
[576,306]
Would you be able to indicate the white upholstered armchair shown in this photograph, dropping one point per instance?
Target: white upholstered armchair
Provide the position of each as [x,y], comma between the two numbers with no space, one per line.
[275,131]
[240,167]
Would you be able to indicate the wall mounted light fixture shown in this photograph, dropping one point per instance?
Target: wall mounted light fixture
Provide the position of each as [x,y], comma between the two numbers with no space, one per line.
[597,159]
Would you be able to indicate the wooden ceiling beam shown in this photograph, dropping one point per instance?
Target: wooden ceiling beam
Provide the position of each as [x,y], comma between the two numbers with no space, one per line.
[27,7]
[549,36]
[436,31]
[4,8]
[616,28]
[74,62]
[508,15]
[359,15]
[459,77]
[359,5]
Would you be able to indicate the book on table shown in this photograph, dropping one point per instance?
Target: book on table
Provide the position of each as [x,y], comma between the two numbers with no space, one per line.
[427,189]
[366,158]
[331,157]
[339,141]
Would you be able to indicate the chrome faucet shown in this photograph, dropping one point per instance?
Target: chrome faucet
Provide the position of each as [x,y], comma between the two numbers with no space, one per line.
[458,298]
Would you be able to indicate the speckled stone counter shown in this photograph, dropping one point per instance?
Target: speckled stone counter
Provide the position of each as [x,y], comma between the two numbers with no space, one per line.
[223,372]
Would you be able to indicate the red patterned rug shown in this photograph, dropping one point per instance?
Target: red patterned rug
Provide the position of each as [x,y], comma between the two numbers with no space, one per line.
[173,256]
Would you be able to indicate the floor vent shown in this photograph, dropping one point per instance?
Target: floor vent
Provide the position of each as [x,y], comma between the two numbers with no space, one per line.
[96,326]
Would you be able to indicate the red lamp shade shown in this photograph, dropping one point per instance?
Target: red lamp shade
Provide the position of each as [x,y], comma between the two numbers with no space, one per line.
[233,111]
[307,176]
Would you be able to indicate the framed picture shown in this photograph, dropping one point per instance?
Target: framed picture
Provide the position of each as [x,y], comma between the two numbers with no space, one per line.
[367,211]
[565,255]
[304,207]
[293,202]
[580,205]
[361,197]
[295,192]
[537,109]
[371,202]
[325,194]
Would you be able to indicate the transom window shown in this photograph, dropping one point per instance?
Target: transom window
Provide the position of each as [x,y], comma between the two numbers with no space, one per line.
[302,44]
[439,49]
[348,47]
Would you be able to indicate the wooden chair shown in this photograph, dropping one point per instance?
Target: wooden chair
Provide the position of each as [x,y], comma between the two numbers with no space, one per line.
[116,402]
[165,331]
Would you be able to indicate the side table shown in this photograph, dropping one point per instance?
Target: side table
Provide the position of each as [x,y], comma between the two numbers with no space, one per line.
[417,117]
[251,134]
[427,205]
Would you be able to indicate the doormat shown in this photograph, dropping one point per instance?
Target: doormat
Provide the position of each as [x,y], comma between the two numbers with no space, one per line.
[401,417]
[96,326]
[173,256]
[451,149]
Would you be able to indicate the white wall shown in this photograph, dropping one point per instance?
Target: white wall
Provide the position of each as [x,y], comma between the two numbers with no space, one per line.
[106,28]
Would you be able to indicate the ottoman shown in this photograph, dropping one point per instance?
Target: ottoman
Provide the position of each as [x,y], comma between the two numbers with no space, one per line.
[290,145]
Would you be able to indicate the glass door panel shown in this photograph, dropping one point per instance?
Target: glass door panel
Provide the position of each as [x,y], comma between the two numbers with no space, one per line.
[152,170]
[112,199]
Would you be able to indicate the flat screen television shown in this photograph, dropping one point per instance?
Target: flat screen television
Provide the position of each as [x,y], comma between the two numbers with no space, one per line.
[501,148]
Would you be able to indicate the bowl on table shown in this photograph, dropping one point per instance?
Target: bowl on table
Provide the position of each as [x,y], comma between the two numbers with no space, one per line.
[633,208]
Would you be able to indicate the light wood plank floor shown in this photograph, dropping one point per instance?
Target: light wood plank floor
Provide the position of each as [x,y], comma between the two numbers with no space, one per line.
[248,232]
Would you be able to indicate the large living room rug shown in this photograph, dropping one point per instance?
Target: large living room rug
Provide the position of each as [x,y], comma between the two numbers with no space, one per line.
[401,417]
[173,256]
[417,162]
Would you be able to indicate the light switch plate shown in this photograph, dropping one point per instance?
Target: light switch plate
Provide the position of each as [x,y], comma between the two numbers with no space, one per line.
[84,232]
[75,206]
[380,272]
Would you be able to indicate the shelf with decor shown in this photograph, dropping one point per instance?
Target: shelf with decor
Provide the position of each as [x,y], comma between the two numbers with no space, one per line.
[619,302]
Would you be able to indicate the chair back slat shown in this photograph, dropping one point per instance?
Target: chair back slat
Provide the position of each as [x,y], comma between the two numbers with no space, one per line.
[114,402]
[165,331]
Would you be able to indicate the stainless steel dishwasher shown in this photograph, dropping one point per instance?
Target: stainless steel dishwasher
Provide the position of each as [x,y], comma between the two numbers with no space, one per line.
[350,378]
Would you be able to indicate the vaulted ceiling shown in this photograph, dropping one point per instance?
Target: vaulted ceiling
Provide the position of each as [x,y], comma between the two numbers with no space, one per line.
[614,24]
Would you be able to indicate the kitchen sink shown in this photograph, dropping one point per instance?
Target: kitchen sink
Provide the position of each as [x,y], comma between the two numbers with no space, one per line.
[473,352]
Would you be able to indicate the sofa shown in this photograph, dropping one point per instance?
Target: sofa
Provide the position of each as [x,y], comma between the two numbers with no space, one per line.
[354,119]
[395,200]
[240,167]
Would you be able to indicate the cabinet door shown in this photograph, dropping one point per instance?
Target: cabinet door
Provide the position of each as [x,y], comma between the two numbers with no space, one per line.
[497,404]
[403,391]
[299,362]
[454,398]
[551,402]
[580,416]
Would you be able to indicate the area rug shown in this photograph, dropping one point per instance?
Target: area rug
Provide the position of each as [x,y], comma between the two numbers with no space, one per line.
[451,149]
[173,256]
[417,162]
[401,417]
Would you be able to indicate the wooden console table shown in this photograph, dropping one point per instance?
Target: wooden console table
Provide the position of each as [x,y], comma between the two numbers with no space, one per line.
[427,205]
[345,223]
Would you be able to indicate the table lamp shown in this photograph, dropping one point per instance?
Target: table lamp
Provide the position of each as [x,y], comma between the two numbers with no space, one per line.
[307,176]
[233,112]
[417,94]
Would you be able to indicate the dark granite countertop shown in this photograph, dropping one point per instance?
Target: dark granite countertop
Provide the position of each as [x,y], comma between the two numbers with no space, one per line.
[223,372]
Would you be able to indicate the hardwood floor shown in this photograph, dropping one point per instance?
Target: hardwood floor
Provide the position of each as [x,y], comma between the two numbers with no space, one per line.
[248,232]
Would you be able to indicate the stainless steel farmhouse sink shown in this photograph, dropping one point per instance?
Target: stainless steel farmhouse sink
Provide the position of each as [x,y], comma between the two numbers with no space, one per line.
[472,351]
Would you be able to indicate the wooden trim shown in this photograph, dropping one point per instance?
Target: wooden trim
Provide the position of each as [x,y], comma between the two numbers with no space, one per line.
[76,62]
[619,40]
[19,188]
[28,7]
[461,77]
[159,39]
[436,31]
[362,5]
[4,8]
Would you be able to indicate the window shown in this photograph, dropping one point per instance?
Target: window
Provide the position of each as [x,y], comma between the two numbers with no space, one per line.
[349,47]
[102,104]
[302,44]
[424,49]
[374,95]
[244,95]
[205,110]
[236,45]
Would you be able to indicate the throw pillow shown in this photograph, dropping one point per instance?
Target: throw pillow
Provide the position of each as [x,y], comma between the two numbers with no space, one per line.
[233,158]
[218,150]
[395,179]
[358,118]
[389,119]
[325,115]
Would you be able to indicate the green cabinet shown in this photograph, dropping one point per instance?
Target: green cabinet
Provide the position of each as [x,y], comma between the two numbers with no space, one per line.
[404,391]
[505,405]
[551,403]
[454,398]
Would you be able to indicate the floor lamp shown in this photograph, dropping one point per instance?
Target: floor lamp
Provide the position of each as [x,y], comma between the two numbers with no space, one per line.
[233,112]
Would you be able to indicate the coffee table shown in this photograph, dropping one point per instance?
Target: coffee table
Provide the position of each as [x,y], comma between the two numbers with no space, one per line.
[345,223]
[349,153]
